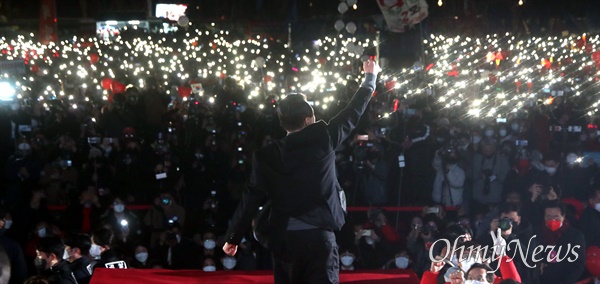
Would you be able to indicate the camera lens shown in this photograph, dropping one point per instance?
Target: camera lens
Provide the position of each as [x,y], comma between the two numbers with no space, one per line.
[504,224]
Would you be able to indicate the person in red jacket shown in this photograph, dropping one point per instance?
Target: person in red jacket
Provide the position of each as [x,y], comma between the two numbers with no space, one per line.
[477,273]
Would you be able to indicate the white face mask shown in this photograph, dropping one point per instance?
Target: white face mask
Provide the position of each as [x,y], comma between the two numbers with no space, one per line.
[229,262]
[502,132]
[475,282]
[8,224]
[515,126]
[41,232]
[401,262]
[475,139]
[210,244]
[369,241]
[489,133]
[347,260]
[466,264]
[209,268]
[596,206]
[571,159]
[141,257]
[550,170]
[119,208]
[95,250]
[66,255]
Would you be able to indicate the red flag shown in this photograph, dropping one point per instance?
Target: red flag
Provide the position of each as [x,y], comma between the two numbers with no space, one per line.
[47,32]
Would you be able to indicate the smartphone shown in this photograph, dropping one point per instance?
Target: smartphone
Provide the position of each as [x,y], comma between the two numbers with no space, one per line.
[311,103]
[500,120]
[94,140]
[362,137]
[521,143]
[161,176]
[367,233]
[433,210]
[24,128]
[69,163]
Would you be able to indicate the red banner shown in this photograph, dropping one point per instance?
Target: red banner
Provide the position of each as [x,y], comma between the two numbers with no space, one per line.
[47,32]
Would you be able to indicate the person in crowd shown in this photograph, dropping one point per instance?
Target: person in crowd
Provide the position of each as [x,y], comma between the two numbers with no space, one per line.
[84,212]
[101,250]
[514,227]
[420,247]
[247,259]
[13,252]
[208,265]
[347,261]
[489,172]
[578,176]
[589,223]
[141,258]
[448,186]
[177,252]
[124,224]
[385,239]
[401,260]
[77,250]
[164,212]
[557,232]
[50,262]
[538,196]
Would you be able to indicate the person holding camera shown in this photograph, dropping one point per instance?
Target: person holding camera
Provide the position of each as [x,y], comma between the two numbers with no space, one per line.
[164,212]
[427,233]
[513,227]
[448,186]
[489,171]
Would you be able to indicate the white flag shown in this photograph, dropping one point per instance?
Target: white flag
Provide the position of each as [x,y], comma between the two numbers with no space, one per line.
[401,13]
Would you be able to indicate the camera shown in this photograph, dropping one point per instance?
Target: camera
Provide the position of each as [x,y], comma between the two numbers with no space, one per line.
[504,224]
[428,229]
[165,201]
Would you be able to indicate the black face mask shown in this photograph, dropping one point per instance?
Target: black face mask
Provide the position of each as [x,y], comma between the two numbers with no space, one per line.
[40,264]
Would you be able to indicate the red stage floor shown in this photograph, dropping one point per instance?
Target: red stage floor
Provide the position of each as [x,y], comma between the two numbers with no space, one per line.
[111,276]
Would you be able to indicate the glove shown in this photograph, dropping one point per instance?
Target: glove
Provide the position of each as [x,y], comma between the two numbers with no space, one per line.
[499,243]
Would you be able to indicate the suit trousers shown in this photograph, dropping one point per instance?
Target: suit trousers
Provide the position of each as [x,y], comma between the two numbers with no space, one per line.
[307,256]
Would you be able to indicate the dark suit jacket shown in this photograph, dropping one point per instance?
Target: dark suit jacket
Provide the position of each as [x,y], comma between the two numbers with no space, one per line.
[298,174]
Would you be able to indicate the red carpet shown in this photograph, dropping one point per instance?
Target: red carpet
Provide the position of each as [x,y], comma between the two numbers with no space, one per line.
[121,276]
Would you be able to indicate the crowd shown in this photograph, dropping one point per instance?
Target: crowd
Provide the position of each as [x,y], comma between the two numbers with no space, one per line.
[77,171]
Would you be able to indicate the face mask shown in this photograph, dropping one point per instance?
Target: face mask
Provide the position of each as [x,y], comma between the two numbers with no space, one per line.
[347,260]
[596,206]
[199,156]
[550,170]
[209,244]
[41,232]
[553,225]
[229,262]
[95,250]
[401,262]
[40,264]
[66,255]
[502,132]
[119,208]
[514,126]
[8,224]
[141,257]
[24,147]
[474,282]
[369,241]
[489,133]
[209,268]
[475,139]
[466,264]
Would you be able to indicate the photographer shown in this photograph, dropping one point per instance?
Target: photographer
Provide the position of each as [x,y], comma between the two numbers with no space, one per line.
[164,211]
[489,171]
[513,227]
[419,247]
[373,169]
[449,178]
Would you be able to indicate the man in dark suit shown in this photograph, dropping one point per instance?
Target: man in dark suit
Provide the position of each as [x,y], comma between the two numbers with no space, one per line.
[298,175]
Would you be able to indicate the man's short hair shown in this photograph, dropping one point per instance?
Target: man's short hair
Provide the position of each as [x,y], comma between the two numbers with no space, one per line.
[556,204]
[488,276]
[81,241]
[103,237]
[52,245]
[292,112]
[507,207]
